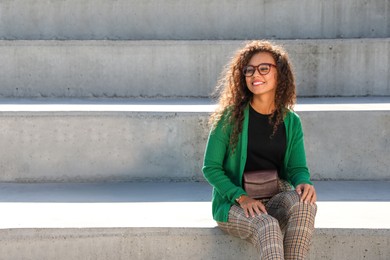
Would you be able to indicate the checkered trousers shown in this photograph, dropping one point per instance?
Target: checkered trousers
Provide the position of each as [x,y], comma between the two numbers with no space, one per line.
[285,233]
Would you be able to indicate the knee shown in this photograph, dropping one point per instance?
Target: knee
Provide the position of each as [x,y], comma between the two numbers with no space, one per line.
[304,209]
[269,221]
[267,224]
[292,204]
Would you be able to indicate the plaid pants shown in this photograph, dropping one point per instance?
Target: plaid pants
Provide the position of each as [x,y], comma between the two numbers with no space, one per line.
[285,233]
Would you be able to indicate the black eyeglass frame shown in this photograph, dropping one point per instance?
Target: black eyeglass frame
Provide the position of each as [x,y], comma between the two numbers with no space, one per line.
[258,69]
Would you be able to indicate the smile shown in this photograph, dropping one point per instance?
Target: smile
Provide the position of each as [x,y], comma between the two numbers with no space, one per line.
[258,83]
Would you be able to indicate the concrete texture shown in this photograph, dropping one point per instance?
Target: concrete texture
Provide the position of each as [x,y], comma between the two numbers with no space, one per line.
[193,19]
[98,145]
[347,145]
[119,221]
[101,146]
[107,69]
[177,244]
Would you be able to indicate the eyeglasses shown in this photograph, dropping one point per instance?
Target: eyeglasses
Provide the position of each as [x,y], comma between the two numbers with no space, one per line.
[263,69]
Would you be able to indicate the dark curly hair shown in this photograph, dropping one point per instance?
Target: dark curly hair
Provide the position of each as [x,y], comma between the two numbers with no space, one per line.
[233,94]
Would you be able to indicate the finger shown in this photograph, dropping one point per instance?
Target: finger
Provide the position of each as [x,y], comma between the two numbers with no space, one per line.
[257,209]
[251,212]
[314,198]
[309,195]
[304,194]
[246,211]
[298,189]
[262,208]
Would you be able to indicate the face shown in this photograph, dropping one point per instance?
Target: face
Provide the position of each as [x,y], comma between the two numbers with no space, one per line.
[262,84]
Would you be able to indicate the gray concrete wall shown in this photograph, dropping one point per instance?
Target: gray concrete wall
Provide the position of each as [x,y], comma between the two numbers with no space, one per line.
[123,146]
[177,243]
[181,68]
[347,145]
[75,147]
[193,19]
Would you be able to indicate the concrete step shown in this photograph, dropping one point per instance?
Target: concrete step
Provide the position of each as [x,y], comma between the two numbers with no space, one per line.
[121,140]
[193,19]
[173,221]
[181,68]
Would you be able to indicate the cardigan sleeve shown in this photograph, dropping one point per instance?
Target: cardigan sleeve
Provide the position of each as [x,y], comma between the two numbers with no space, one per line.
[217,151]
[297,169]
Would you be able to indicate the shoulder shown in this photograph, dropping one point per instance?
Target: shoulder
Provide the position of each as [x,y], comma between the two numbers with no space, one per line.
[223,124]
[293,122]
[292,117]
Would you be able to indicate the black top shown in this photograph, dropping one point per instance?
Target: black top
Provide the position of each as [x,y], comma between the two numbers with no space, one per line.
[264,152]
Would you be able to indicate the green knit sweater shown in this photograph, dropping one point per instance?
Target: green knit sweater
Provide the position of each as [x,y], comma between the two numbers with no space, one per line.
[223,169]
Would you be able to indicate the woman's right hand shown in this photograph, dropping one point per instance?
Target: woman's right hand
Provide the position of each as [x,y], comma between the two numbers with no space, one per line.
[251,206]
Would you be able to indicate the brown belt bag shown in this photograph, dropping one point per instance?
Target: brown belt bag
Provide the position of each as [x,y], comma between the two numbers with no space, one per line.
[261,184]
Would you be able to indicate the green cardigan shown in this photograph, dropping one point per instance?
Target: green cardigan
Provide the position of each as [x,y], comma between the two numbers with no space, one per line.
[223,169]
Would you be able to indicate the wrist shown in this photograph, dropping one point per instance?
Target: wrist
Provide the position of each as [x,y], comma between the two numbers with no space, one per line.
[240,198]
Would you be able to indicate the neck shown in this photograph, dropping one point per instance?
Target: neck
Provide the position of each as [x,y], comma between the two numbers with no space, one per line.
[263,105]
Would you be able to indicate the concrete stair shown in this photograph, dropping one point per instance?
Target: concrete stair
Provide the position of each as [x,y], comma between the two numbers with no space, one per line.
[103,122]
[125,214]
[124,140]
[193,19]
[155,69]
[172,221]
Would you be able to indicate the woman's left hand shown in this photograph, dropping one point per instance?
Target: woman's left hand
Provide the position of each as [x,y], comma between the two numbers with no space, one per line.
[307,193]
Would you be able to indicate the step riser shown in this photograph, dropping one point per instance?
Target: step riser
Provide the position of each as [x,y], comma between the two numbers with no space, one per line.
[122,19]
[50,147]
[350,146]
[102,147]
[181,69]
[177,243]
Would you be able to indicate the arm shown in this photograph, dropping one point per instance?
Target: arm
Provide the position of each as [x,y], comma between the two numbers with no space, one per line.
[297,170]
[217,152]
[226,181]
[297,167]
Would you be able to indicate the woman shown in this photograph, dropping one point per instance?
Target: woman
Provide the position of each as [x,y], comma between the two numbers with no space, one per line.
[255,128]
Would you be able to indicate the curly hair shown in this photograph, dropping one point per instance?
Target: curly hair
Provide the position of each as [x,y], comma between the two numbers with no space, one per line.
[234,96]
